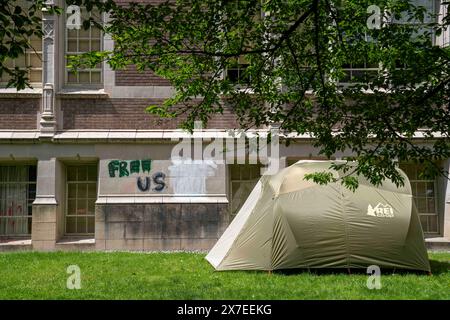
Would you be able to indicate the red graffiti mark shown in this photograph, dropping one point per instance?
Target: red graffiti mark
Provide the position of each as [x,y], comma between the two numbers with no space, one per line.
[12,211]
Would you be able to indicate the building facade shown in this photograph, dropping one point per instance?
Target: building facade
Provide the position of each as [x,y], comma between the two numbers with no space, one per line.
[81,163]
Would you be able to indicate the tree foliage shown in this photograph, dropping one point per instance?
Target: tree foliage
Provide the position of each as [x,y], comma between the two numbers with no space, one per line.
[297,54]
[17,24]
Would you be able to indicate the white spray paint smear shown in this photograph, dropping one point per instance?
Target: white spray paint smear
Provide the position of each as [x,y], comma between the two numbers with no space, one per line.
[189,176]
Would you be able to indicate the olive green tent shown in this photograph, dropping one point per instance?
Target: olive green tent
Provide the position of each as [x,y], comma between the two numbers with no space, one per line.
[289,222]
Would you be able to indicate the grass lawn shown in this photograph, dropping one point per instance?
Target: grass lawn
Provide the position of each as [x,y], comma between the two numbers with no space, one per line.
[121,275]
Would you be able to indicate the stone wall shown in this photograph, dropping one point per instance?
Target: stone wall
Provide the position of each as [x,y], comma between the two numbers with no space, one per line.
[155,227]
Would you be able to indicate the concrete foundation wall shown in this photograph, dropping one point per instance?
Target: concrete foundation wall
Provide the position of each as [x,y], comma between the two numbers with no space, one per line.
[154,227]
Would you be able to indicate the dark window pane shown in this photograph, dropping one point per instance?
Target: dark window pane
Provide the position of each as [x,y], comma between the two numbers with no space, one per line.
[92,173]
[32,173]
[91,225]
[233,75]
[81,225]
[71,225]
[71,173]
[424,222]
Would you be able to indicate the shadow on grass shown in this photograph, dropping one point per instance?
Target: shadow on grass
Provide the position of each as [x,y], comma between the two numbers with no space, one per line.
[437,268]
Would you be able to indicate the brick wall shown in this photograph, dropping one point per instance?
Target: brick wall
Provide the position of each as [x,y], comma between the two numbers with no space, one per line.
[126,114]
[18,113]
[132,77]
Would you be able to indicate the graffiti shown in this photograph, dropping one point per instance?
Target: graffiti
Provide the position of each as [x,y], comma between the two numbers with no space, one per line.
[143,187]
[158,180]
[134,166]
[125,168]
[146,165]
[13,219]
[191,175]
[13,209]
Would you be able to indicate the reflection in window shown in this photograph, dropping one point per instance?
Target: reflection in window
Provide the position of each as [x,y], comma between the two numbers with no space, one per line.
[31,61]
[80,41]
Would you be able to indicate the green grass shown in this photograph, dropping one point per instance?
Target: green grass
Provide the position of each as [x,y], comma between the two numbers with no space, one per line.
[121,275]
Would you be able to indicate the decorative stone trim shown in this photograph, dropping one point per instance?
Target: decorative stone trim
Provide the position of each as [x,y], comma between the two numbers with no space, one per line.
[161,199]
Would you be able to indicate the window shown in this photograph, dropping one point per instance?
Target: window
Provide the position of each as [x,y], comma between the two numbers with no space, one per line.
[243,178]
[359,72]
[80,201]
[17,193]
[31,61]
[444,39]
[425,197]
[236,72]
[80,41]
[431,8]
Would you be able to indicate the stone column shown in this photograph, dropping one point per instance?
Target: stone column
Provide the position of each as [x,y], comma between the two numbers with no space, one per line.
[47,121]
[45,208]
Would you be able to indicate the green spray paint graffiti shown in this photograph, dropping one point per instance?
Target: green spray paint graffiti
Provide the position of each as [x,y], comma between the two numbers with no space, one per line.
[122,168]
[125,168]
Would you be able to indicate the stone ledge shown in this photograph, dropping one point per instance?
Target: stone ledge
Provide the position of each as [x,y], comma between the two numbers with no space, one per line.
[82,93]
[75,244]
[440,243]
[108,200]
[25,93]
[15,245]
[18,136]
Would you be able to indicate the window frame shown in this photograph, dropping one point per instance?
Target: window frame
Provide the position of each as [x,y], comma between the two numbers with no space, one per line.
[65,70]
[28,200]
[29,52]
[436,5]
[87,182]
[436,214]
[241,66]
[240,180]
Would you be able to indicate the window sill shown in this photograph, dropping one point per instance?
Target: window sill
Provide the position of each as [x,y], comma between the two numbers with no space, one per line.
[25,93]
[80,93]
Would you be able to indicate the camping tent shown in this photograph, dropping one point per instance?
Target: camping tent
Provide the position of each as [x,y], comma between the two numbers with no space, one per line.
[289,222]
